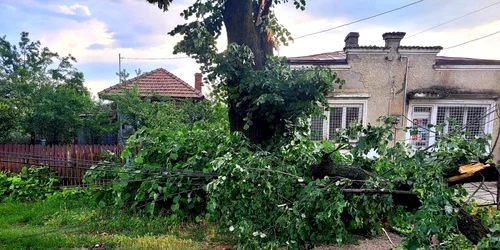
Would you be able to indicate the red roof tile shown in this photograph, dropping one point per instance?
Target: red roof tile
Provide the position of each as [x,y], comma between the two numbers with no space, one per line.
[158,81]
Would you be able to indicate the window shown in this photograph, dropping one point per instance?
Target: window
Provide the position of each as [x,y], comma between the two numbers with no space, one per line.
[338,116]
[471,117]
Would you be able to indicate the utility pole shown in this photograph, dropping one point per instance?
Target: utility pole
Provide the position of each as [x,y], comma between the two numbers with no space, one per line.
[119,68]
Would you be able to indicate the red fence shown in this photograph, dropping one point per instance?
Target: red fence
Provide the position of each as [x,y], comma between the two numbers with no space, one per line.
[69,161]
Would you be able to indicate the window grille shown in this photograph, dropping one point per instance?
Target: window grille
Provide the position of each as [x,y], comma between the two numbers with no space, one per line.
[339,116]
[317,128]
[336,114]
[471,119]
[420,133]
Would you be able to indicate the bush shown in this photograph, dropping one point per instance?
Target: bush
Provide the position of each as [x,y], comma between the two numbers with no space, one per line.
[168,166]
[31,184]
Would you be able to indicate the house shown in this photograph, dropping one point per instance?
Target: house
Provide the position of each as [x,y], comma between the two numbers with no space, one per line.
[411,83]
[159,82]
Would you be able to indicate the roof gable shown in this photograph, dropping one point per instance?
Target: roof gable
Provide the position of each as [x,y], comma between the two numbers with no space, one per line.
[160,82]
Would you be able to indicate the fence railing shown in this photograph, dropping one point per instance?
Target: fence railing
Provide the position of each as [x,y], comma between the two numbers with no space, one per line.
[70,162]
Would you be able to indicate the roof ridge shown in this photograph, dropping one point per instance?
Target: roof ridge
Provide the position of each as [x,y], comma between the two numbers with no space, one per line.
[126,82]
[180,80]
[145,78]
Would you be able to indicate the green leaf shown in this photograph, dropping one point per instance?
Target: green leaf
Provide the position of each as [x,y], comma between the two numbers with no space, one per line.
[173,156]
[174,207]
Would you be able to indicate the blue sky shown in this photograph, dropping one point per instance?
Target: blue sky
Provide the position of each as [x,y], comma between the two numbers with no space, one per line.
[95,31]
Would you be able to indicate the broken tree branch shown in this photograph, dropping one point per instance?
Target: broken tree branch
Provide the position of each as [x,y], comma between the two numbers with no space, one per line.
[264,7]
[376,191]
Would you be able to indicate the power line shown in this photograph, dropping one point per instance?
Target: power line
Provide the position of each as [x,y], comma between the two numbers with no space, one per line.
[357,21]
[441,24]
[473,40]
[155,58]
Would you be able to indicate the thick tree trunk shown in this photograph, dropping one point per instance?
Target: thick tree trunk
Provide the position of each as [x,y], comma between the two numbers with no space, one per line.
[471,226]
[242,29]
[329,168]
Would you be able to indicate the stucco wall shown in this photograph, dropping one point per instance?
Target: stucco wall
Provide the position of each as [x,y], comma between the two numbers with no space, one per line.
[384,81]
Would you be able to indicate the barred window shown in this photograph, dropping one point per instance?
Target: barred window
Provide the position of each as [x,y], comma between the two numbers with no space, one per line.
[470,118]
[338,116]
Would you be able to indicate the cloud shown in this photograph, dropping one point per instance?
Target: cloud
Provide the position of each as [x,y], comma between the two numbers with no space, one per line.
[75,9]
[137,29]
[94,86]
[77,37]
[371,32]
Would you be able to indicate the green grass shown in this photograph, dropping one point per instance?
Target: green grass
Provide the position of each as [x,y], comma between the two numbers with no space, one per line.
[74,224]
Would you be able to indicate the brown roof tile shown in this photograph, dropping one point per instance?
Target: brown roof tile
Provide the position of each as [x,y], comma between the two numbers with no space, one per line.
[421,47]
[158,81]
[445,60]
[337,57]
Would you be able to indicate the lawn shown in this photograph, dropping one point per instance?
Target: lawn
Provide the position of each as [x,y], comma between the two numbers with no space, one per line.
[74,224]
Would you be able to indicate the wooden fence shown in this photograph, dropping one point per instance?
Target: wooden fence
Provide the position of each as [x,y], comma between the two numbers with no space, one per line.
[70,162]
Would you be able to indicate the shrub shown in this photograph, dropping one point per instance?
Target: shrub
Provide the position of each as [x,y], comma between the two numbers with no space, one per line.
[31,184]
[168,166]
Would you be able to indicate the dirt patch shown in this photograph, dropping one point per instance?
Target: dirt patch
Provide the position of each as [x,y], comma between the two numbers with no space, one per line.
[378,243]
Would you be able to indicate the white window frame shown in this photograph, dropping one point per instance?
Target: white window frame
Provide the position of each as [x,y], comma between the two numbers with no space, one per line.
[434,104]
[344,104]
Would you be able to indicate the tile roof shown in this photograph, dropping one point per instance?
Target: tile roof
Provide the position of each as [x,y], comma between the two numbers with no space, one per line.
[158,81]
[339,57]
[365,47]
[445,60]
[421,47]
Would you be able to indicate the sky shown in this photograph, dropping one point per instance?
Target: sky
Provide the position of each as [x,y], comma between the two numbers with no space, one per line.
[97,31]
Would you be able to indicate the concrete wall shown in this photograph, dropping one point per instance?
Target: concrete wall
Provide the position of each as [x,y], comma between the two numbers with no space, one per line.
[384,81]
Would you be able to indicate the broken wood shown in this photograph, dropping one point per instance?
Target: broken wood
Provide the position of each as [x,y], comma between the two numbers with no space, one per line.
[471,226]
[471,173]
[466,171]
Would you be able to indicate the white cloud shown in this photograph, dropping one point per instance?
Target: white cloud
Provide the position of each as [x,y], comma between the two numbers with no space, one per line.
[75,9]
[371,34]
[94,86]
[75,37]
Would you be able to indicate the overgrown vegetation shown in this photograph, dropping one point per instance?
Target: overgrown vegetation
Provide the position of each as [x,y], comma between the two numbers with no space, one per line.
[30,185]
[247,166]
[269,198]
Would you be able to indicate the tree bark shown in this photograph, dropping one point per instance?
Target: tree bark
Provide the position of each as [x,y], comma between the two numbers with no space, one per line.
[471,226]
[242,30]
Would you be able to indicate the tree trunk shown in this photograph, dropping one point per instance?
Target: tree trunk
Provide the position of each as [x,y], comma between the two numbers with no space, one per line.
[471,226]
[242,30]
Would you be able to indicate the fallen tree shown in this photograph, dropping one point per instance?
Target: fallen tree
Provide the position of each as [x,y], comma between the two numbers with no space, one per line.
[471,226]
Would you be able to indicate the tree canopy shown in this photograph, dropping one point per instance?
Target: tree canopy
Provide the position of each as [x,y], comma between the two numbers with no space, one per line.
[266,99]
[42,95]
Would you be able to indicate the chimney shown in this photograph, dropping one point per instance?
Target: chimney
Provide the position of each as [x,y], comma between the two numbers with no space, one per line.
[197,81]
[393,39]
[351,40]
